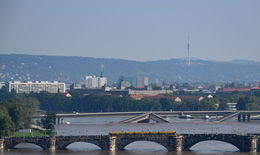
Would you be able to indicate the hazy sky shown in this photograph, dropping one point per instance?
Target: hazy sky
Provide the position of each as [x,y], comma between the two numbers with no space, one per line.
[132,29]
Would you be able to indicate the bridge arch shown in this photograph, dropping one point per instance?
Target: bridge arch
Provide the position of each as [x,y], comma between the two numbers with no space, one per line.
[214,145]
[239,142]
[83,146]
[31,145]
[64,145]
[124,144]
[152,143]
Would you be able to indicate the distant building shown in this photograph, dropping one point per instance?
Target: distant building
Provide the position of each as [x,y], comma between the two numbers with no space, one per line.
[174,98]
[125,84]
[209,96]
[142,82]
[136,82]
[188,98]
[129,81]
[255,89]
[93,82]
[232,106]
[149,92]
[227,90]
[36,87]
[238,90]
[76,86]
[2,85]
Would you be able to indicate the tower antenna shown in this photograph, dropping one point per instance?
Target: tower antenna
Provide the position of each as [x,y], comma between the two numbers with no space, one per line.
[188,49]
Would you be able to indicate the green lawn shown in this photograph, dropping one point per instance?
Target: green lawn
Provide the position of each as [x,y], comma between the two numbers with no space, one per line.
[33,134]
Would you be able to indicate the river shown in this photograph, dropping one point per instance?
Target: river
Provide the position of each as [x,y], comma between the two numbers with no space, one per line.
[104,125]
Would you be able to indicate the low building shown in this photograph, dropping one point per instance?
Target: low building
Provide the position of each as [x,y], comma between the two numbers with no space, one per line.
[255,89]
[37,86]
[233,91]
[150,92]
[174,98]
[232,106]
[2,85]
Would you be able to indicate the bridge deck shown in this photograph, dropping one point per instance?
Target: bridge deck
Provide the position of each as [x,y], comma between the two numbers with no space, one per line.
[145,116]
[161,113]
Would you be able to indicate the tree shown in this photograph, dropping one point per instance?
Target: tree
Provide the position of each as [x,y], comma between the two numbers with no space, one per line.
[48,122]
[21,110]
[166,104]
[242,102]
[7,127]
[253,106]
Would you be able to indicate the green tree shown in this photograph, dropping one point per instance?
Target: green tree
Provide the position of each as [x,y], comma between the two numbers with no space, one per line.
[48,122]
[166,104]
[7,127]
[253,106]
[21,110]
[241,105]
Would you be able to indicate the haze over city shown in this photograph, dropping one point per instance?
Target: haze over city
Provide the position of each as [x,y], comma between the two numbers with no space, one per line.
[136,30]
[129,77]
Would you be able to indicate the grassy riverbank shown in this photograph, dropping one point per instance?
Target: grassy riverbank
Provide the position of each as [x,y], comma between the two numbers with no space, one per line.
[34,133]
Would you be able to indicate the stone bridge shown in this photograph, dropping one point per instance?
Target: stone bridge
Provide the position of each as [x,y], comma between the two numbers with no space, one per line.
[44,142]
[245,143]
[112,142]
[169,140]
[101,141]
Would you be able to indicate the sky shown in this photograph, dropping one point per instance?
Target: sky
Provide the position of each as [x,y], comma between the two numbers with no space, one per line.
[141,30]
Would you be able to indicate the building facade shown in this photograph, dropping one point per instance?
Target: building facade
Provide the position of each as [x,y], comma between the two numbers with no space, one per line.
[136,82]
[37,86]
[93,82]
[142,82]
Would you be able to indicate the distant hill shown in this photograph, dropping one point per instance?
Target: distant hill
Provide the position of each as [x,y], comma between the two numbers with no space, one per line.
[73,69]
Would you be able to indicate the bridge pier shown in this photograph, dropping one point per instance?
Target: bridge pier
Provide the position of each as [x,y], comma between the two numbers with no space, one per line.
[258,144]
[244,117]
[52,144]
[248,117]
[254,144]
[179,143]
[113,144]
[59,121]
[1,144]
[239,117]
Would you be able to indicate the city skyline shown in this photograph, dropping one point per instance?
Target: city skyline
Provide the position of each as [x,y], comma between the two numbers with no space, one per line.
[135,30]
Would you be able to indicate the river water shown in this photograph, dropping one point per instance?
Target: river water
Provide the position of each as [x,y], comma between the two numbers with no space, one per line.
[104,125]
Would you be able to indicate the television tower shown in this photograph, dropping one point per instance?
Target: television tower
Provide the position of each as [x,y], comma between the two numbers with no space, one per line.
[188,50]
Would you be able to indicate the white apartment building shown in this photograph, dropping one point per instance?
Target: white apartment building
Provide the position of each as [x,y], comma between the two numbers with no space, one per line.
[37,86]
[93,82]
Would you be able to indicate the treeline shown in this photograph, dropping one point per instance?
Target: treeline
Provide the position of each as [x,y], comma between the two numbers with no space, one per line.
[93,103]
[16,111]
[96,103]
